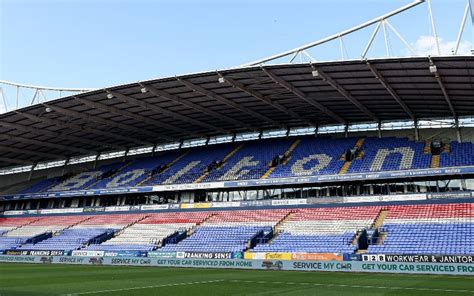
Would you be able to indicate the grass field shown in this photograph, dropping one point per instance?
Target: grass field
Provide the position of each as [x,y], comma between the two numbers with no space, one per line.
[32,279]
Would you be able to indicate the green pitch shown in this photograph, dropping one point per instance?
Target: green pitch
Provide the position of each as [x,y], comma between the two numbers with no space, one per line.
[32,279]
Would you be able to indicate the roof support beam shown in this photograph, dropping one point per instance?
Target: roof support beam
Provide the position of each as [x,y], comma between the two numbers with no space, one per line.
[344,93]
[176,99]
[262,98]
[228,102]
[134,116]
[16,161]
[46,144]
[147,106]
[32,153]
[99,120]
[390,90]
[76,127]
[434,70]
[40,132]
[281,82]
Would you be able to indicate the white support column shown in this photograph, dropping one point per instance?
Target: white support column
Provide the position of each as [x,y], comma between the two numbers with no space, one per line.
[417,135]
[458,130]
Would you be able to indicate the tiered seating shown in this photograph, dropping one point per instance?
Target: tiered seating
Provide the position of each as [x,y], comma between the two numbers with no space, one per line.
[45,224]
[137,171]
[85,179]
[315,156]
[424,229]
[390,154]
[8,224]
[321,230]
[228,231]
[440,229]
[149,232]
[67,240]
[116,222]
[7,243]
[113,221]
[251,161]
[40,186]
[192,165]
[461,154]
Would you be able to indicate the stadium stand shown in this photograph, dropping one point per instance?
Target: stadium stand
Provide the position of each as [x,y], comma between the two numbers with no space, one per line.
[46,224]
[390,154]
[315,157]
[445,229]
[461,154]
[321,230]
[86,179]
[149,233]
[273,158]
[136,172]
[428,229]
[251,161]
[229,231]
[68,239]
[192,165]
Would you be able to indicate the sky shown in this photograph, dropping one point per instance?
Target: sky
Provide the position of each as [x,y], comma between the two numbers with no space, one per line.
[99,43]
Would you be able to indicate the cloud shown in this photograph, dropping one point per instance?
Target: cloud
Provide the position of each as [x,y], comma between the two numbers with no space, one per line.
[426,45]
[2,107]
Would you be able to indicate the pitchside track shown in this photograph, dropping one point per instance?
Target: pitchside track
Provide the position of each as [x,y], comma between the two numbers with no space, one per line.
[23,279]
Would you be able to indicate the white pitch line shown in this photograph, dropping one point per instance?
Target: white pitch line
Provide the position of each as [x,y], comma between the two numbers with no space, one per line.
[144,287]
[357,286]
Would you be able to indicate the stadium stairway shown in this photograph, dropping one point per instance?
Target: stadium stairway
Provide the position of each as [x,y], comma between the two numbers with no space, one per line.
[287,156]
[166,167]
[345,167]
[277,229]
[229,155]
[290,151]
[435,159]
[192,229]
[371,233]
[77,223]
[131,224]
[347,164]
[26,224]
[446,148]
[380,219]
[358,145]
[118,171]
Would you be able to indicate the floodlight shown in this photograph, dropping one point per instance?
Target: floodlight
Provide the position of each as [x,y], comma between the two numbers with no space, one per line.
[110,96]
[221,80]
[143,90]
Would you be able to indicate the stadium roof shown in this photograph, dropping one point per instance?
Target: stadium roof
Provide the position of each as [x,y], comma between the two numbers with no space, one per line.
[238,100]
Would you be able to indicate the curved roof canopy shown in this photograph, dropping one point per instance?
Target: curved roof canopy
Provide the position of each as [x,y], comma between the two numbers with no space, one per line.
[238,100]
